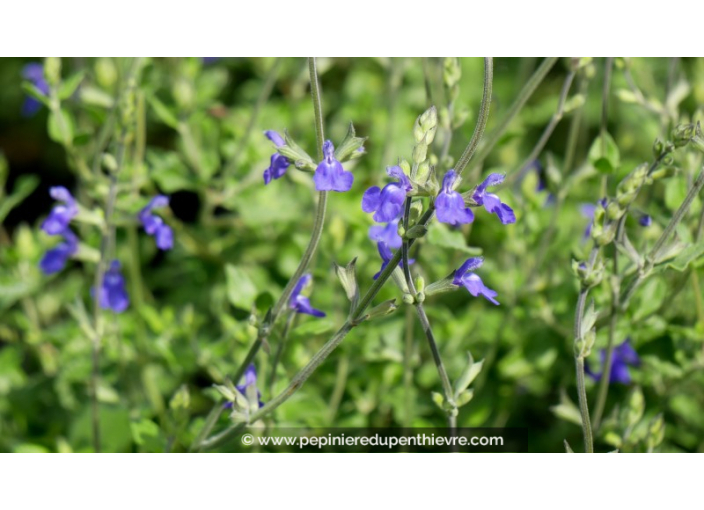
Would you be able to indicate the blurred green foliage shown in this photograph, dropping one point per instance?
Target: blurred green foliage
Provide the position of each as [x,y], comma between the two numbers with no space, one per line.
[197,137]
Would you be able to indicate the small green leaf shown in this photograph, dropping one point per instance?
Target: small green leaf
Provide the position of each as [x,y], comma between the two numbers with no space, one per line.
[163,112]
[60,127]
[24,186]
[69,86]
[687,256]
[604,154]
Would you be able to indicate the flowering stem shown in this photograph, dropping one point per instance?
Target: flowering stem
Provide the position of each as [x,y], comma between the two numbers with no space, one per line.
[267,324]
[523,96]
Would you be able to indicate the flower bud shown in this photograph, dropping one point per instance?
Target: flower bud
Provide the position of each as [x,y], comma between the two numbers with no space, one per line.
[52,70]
[682,134]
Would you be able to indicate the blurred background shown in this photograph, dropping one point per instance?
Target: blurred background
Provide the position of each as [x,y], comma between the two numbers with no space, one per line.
[197,138]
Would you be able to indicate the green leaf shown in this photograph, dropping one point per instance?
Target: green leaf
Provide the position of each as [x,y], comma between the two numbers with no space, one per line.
[60,127]
[440,235]
[675,192]
[69,86]
[687,256]
[163,112]
[24,186]
[604,154]
[37,94]
[240,288]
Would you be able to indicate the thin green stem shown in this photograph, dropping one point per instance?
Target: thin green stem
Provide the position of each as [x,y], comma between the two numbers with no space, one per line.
[526,92]
[579,361]
[408,368]
[280,349]
[481,119]
[547,132]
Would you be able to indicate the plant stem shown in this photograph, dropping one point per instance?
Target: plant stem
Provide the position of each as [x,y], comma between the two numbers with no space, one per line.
[547,132]
[408,368]
[579,362]
[425,323]
[523,96]
[613,320]
[280,349]
[481,119]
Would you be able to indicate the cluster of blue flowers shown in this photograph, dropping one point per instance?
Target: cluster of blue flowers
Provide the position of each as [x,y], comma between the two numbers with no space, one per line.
[113,292]
[387,205]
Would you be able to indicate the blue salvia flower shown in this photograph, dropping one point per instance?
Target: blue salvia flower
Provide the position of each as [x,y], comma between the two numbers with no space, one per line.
[301,304]
[34,72]
[624,356]
[250,379]
[278,164]
[54,260]
[154,225]
[386,234]
[645,220]
[329,175]
[491,202]
[113,294]
[387,203]
[386,256]
[465,277]
[62,214]
[450,205]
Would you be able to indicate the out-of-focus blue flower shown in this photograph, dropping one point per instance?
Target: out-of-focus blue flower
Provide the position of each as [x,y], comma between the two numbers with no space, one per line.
[450,205]
[250,379]
[278,164]
[154,225]
[645,221]
[34,72]
[491,202]
[209,60]
[387,203]
[465,277]
[587,210]
[386,256]
[113,293]
[386,234]
[624,356]
[54,260]
[329,175]
[301,304]
[62,214]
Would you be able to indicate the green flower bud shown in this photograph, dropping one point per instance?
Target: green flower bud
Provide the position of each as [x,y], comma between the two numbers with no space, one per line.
[420,283]
[105,72]
[420,153]
[683,134]
[52,70]
[656,432]
[183,93]
[348,278]
[109,162]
